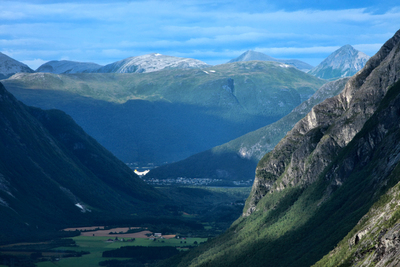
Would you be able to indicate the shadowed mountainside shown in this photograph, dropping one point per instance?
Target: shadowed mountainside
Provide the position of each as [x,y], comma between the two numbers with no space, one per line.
[52,174]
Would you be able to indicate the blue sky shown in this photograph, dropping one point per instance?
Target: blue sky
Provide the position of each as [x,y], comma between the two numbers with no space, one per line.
[216,31]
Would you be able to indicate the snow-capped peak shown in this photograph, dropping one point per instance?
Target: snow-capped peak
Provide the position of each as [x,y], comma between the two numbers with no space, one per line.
[151,62]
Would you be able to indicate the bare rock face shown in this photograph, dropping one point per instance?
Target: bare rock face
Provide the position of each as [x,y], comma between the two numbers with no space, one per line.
[302,156]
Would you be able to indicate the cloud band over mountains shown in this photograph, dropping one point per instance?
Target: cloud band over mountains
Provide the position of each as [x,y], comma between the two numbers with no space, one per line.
[215,32]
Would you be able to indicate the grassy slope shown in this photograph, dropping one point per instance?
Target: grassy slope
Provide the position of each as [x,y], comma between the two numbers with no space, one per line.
[97,245]
[177,85]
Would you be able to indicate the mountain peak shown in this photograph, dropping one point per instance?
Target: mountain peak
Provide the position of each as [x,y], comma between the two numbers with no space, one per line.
[252,55]
[347,46]
[344,62]
[151,62]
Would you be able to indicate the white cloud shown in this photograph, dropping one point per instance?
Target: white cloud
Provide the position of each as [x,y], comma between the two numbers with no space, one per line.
[369,49]
[105,31]
[297,50]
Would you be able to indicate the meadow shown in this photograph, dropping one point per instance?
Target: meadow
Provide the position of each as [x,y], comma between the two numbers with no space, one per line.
[96,245]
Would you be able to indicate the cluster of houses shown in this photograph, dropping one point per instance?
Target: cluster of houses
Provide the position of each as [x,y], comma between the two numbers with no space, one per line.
[182,181]
[155,236]
[116,239]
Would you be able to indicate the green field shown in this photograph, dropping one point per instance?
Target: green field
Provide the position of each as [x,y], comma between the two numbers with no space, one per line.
[97,244]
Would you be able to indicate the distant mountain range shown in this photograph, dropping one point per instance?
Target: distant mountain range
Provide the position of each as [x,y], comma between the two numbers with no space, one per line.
[156,85]
[67,66]
[10,66]
[253,55]
[344,62]
[54,175]
[139,64]
[168,115]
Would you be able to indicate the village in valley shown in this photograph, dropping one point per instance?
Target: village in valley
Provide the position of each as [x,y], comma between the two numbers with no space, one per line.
[190,181]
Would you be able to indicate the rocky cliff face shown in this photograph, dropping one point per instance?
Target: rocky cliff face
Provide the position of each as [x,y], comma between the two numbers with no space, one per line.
[316,140]
[268,136]
[375,240]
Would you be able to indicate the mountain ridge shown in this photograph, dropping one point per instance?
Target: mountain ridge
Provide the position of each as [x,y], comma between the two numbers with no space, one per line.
[150,63]
[67,66]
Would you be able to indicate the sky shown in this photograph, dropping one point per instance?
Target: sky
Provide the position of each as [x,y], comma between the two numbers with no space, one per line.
[214,31]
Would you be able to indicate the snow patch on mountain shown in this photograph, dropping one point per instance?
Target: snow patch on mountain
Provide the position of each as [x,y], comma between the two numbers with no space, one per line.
[150,63]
